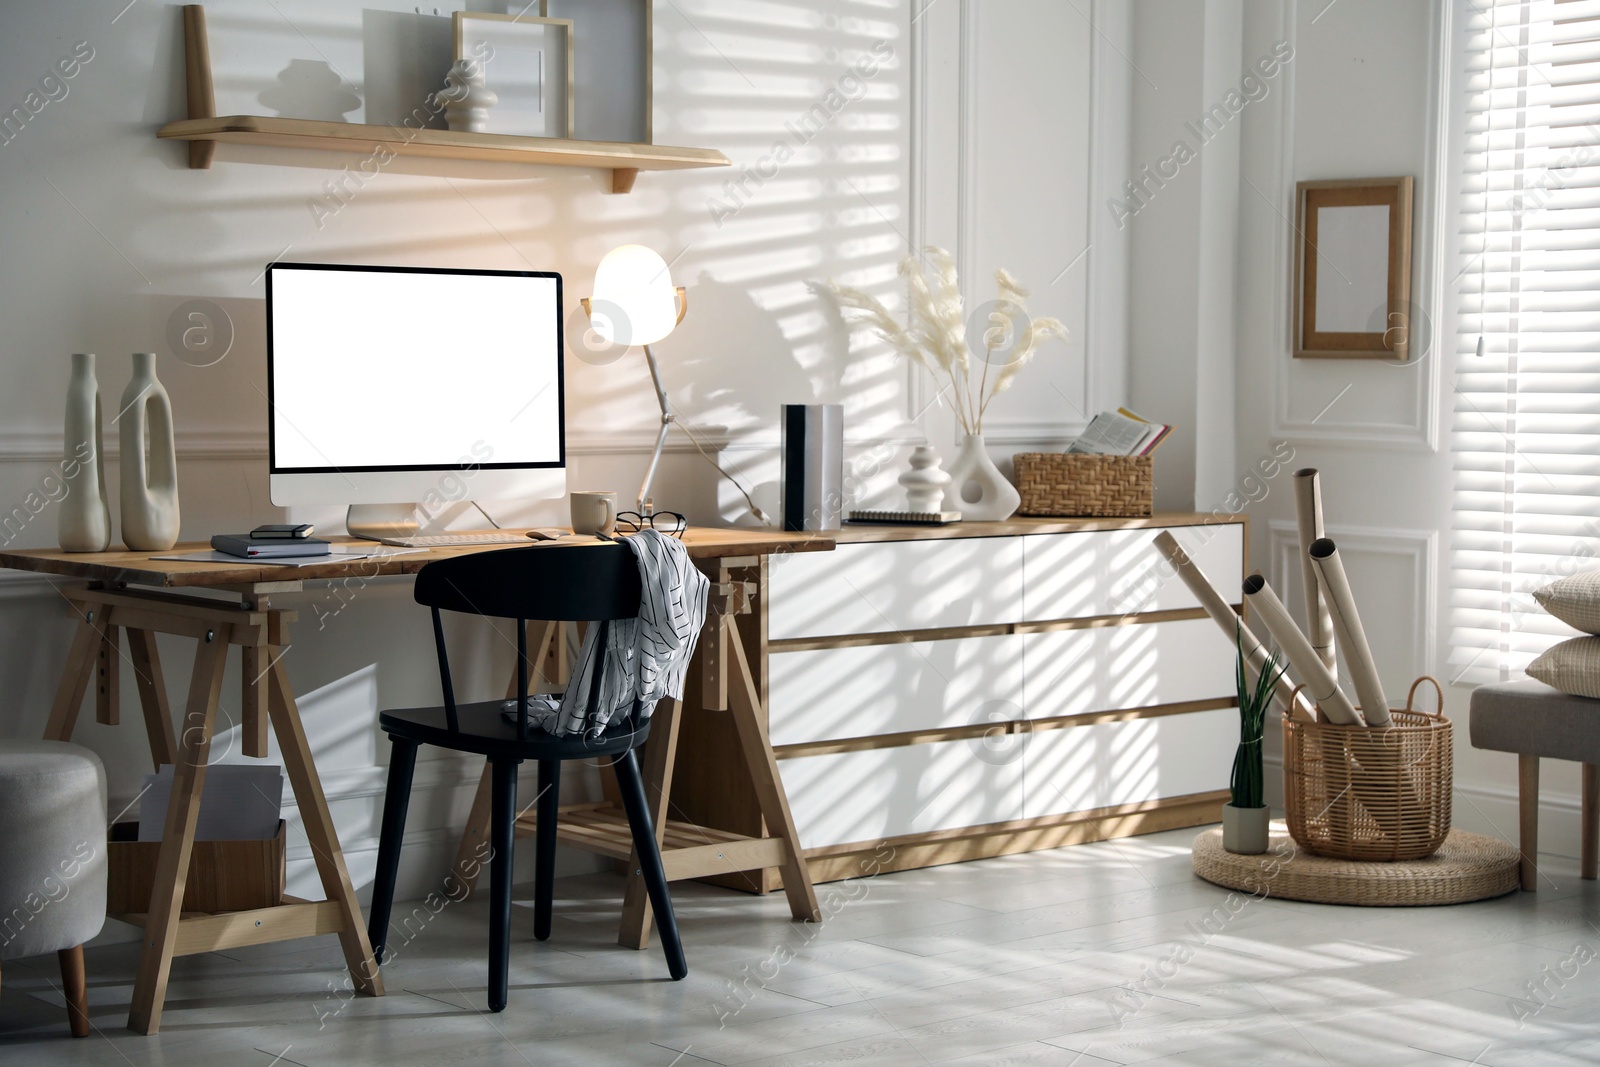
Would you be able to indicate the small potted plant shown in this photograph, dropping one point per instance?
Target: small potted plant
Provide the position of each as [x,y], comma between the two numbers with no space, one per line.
[1245,820]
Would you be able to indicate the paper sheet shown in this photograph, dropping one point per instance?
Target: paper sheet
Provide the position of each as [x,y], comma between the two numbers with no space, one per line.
[340,554]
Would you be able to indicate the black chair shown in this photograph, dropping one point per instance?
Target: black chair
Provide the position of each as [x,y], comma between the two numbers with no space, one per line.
[594,584]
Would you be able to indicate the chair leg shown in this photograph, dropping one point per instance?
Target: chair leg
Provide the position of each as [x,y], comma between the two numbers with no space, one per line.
[544,846]
[1528,819]
[502,831]
[75,984]
[1591,818]
[644,846]
[396,801]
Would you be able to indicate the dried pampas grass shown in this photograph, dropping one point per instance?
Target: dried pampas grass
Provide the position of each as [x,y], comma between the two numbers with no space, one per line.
[935,334]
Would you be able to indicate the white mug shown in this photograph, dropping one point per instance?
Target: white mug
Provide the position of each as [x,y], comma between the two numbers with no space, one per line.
[594,512]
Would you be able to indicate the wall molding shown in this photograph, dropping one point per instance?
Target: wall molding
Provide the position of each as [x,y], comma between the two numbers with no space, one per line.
[26,447]
[1421,432]
[1032,430]
[1419,547]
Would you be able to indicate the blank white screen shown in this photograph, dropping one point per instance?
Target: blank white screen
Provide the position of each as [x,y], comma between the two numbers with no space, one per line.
[399,369]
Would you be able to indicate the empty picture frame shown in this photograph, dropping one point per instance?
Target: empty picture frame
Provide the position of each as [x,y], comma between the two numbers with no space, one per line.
[527,61]
[1352,269]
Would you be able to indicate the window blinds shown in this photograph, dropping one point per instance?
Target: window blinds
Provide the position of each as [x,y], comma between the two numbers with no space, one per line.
[1526,421]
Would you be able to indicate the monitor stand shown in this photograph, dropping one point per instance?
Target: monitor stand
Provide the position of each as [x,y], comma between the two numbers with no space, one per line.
[374,522]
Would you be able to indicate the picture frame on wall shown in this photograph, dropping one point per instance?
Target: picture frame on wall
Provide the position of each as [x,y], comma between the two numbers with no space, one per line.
[528,63]
[1352,269]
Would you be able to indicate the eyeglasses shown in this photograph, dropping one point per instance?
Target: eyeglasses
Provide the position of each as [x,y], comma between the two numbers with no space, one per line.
[667,522]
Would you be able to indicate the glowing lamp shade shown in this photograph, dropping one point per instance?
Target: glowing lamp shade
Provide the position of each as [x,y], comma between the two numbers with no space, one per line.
[634,302]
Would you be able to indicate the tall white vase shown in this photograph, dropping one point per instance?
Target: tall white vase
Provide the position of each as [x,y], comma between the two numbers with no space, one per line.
[977,488]
[83,523]
[149,481]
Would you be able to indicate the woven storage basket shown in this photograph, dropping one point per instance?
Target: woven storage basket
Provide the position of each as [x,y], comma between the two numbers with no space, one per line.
[1078,485]
[1360,793]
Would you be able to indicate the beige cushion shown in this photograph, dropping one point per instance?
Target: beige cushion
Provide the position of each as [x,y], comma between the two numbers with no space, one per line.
[1575,601]
[1530,718]
[1572,666]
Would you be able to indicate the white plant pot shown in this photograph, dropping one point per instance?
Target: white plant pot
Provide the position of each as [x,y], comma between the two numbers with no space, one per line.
[977,488]
[1245,831]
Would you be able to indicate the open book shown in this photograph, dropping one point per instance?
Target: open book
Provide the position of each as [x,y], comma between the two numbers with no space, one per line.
[1120,433]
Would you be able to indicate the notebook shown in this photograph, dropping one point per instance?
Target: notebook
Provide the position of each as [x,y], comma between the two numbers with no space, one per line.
[904,518]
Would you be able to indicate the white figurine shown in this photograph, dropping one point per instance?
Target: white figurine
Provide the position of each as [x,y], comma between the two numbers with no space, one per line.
[925,482]
[467,97]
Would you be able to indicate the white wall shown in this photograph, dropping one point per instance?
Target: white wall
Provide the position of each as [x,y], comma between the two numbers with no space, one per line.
[108,234]
[1363,99]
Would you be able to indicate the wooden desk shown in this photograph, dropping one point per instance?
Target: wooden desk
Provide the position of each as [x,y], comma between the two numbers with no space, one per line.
[129,591]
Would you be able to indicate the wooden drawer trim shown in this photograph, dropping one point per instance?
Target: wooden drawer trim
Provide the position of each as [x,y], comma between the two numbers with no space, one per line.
[865,858]
[901,637]
[959,733]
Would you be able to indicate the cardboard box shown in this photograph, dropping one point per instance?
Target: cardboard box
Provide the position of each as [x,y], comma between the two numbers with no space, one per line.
[223,875]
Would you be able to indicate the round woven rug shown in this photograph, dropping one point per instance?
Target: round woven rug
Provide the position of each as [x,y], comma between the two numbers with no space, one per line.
[1466,867]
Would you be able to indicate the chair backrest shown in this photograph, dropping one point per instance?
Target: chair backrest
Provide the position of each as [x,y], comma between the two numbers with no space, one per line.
[554,583]
[567,583]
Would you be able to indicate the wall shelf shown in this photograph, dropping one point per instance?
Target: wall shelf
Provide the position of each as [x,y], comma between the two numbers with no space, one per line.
[623,160]
[204,130]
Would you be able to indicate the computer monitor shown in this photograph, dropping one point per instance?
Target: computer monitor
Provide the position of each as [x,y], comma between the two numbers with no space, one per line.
[402,390]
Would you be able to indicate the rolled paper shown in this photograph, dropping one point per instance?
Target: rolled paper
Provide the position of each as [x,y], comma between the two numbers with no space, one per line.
[1255,654]
[1303,659]
[1308,512]
[1347,625]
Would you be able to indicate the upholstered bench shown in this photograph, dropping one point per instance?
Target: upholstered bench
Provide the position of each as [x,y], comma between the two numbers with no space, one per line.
[1534,720]
[52,859]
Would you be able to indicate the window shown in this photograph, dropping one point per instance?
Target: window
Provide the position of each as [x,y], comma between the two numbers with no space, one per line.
[1526,423]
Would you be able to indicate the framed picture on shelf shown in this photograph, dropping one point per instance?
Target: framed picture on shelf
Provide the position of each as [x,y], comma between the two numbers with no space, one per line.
[527,61]
[1352,269]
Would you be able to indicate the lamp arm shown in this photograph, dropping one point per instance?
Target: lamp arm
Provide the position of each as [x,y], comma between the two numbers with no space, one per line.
[667,419]
[661,392]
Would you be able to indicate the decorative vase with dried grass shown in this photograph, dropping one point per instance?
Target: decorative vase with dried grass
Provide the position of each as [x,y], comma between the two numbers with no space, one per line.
[935,337]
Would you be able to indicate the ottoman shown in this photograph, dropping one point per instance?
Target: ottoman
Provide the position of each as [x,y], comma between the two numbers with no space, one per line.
[52,859]
[1534,720]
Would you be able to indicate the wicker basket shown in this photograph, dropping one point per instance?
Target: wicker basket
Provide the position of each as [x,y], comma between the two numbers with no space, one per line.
[1361,793]
[1074,485]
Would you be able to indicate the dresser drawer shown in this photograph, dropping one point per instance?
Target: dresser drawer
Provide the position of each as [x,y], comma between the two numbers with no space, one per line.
[1073,672]
[1084,767]
[886,792]
[1114,572]
[829,693]
[889,586]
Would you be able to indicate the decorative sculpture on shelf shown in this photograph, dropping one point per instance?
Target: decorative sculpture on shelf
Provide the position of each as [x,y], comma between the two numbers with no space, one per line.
[467,97]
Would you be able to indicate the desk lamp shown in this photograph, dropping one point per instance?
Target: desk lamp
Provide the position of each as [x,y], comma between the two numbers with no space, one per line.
[635,303]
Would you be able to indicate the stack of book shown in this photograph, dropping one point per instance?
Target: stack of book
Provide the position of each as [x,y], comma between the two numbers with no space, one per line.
[1121,433]
[255,546]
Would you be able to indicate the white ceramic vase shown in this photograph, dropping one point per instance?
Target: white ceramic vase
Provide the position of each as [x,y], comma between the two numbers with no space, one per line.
[83,523]
[149,461]
[977,488]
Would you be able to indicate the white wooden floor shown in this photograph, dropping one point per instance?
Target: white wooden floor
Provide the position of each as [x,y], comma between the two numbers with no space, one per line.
[1109,953]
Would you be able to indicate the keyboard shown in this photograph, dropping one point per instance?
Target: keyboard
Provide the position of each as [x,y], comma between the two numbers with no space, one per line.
[457,540]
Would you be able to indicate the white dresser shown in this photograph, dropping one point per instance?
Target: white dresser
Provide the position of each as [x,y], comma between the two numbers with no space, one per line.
[941,694]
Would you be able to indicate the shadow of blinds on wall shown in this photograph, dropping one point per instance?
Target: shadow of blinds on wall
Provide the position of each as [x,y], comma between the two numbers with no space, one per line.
[1526,422]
